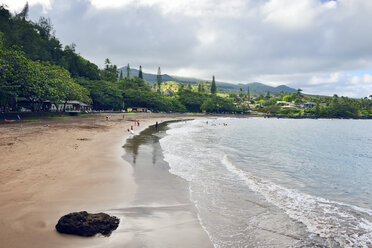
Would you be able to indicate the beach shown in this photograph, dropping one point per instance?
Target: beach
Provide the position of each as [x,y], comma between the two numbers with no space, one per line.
[51,168]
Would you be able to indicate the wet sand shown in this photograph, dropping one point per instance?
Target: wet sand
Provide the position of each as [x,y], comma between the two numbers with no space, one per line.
[51,168]
[162,214]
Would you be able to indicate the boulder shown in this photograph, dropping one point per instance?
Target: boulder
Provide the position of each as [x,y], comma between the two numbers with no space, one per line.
[85,224]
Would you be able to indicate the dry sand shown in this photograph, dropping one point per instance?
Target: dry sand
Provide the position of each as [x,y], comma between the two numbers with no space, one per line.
[51,168]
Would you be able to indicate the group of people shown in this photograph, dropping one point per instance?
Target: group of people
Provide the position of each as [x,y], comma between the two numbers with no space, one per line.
[213,124]
[136,123]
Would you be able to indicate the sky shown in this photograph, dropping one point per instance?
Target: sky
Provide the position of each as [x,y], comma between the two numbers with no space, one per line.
[321,46]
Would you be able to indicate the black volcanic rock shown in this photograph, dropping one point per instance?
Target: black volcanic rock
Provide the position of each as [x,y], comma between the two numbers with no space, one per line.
[85,224]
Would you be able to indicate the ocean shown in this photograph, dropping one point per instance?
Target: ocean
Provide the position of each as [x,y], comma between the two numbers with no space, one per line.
[276,182]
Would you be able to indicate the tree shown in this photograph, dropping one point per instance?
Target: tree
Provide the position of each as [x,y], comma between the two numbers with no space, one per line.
[104,94]
[199,87]
[159,79]
[128,71]
[121,75]
[299,93]
[24,13]
[213,87]
[110,73]
[272,109]
[140,73]
[107,63]
[267,95]
[288,98]
[15,73]
[45,28]
[208,106]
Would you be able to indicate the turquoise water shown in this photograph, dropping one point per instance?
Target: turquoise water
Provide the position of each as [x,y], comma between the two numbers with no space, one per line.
[277,182]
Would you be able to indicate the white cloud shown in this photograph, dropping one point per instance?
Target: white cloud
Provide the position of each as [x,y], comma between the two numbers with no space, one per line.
[17,5]
[290,15]
[331,79]
[367,78]
[110,4]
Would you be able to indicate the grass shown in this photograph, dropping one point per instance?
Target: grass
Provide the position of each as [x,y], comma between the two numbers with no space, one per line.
[189,113]
[126,113]
[64,117]
[30,120]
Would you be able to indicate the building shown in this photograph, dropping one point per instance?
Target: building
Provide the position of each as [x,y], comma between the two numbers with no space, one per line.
[138,109]
[72,106]
[309,105]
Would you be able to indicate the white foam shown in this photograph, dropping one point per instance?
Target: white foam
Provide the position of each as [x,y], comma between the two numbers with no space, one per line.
[350,226]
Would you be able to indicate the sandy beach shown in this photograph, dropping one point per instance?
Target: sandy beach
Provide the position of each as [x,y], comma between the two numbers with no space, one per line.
[51,168]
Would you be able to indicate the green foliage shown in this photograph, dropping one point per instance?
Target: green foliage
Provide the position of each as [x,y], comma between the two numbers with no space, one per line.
[38,42]
[208,105]
[289,98]
[105,95]
[110,73]
[36,81]
[140,74]
[159,78]
[133,83]
[193,101]
[137,93]
[151,100]
[213,87]
[170,87]
[272,109]
[128,71]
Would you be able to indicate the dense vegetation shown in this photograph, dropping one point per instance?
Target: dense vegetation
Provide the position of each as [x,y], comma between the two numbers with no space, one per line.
[298,105]
[35,67]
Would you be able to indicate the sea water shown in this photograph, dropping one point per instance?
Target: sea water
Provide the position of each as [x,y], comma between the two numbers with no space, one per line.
[277,182]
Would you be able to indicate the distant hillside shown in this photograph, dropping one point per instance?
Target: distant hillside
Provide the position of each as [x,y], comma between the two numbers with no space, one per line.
[259,88]
[254,88]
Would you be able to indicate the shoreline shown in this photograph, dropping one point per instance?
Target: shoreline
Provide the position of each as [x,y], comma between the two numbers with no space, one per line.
[51,168]
[162,203]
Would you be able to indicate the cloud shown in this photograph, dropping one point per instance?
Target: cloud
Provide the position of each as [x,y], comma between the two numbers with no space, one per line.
[18,5]
[290,15]
[310,44]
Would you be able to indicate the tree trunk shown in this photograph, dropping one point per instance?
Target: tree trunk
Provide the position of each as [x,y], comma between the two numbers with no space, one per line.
[64,106]
[55,104]
[39,106]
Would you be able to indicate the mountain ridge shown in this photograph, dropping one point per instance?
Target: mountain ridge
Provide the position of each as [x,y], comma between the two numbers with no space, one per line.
[254,87]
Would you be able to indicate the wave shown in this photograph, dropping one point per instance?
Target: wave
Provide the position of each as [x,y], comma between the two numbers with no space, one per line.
[349,226]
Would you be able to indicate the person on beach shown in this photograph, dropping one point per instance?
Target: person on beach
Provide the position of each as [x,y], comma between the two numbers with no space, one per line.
[138,123]
[156,126]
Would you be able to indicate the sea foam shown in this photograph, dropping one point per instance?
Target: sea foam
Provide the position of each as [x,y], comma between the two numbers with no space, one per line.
[349,226]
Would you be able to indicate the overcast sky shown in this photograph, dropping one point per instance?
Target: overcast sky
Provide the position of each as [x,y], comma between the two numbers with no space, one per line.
[320,46]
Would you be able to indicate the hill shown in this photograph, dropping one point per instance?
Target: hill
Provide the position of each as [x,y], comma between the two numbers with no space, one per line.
[255,87]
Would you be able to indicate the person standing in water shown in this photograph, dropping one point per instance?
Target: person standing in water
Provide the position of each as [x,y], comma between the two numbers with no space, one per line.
[156,126]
